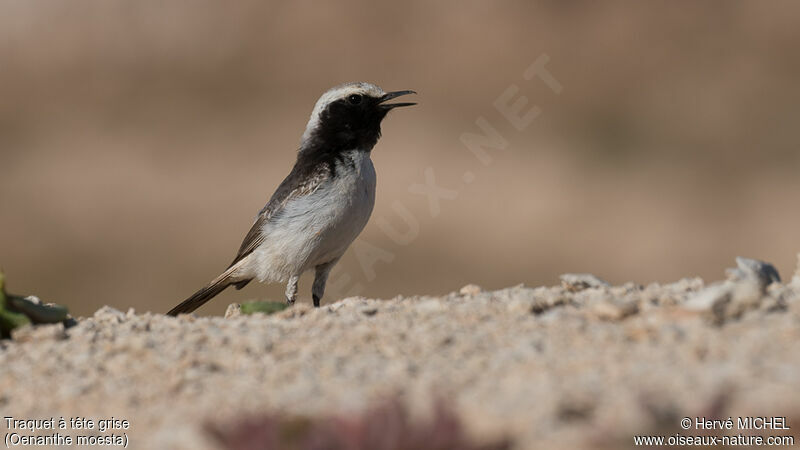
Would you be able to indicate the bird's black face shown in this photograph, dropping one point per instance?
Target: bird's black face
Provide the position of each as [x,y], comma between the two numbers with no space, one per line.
[354,121]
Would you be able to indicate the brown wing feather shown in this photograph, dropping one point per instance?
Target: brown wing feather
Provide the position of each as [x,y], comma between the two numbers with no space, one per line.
[293,186]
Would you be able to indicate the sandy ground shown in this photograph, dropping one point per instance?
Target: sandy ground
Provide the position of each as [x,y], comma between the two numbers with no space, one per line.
[579,365]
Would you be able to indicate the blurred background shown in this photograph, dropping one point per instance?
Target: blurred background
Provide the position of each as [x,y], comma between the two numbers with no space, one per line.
[139,139]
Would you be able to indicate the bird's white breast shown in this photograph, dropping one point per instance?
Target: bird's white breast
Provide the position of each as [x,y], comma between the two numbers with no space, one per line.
[318,227]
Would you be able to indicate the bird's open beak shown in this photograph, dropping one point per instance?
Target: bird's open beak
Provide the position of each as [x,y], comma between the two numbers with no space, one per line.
[390,95]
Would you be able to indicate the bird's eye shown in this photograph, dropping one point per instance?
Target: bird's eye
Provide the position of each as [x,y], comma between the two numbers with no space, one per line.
[354,99]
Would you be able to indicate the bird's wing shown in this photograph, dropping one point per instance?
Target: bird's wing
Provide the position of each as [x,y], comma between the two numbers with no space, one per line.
[298,184]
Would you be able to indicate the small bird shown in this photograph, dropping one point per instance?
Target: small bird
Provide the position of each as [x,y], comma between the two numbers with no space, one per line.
[321,206]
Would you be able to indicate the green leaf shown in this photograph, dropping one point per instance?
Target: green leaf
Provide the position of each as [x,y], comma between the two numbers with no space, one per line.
[10,320]
[36,312]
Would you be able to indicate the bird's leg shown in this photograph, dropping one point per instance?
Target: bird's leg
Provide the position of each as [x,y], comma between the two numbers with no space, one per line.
[291,289]
[320,279]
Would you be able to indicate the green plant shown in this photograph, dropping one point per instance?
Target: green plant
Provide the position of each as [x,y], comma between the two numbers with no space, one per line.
[16,311]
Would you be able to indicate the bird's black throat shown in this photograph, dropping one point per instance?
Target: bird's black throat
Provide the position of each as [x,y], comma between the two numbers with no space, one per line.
[342,128]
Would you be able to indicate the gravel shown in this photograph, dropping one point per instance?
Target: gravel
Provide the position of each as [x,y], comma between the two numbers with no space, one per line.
[581,365]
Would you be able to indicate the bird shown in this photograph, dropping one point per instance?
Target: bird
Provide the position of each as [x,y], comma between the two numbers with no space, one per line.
[324,203]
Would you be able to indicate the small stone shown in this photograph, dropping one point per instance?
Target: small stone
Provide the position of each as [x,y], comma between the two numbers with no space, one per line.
[333,307]
[575,282]
[520,305]
[711,302]
[233,310]
[775,301]
[109,313]
[34,299]
[353,301]
[613,310]
[429,306]
[764,272]
[369,311]
[727,300]
[747,295]
[546,300]
[745,289]
[710,297]
[470,289]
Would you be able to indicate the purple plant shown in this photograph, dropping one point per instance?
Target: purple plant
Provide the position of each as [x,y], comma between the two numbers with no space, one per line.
[387,426]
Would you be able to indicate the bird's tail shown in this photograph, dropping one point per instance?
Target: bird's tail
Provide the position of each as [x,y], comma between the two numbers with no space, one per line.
[200,297]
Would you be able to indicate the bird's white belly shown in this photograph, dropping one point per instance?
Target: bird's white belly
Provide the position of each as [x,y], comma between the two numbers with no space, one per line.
[318,228]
